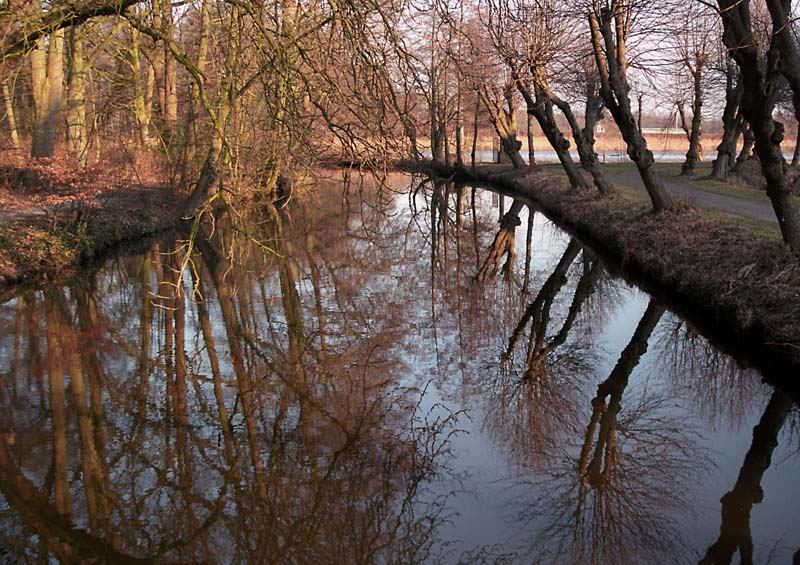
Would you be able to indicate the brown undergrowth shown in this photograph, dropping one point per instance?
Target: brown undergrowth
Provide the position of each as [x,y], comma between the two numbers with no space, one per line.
[740,288]
[48,247]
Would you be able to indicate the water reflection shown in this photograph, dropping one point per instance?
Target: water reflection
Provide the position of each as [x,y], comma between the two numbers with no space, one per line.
[374,377]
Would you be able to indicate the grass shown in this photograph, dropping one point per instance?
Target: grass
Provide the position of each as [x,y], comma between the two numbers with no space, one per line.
[670,172]
[754,226]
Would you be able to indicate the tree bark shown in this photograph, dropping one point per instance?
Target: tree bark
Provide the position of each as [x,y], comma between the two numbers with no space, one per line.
[531,143]
[694,154]
[731,125]
[746,151]
[142,102]
[584,137]
[610,58]
[47,76]
[540,106]
[77,132]
[504,122]
[8,98]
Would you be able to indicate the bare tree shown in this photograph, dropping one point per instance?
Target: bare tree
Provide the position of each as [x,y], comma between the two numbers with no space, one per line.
[694,39]
[761,69]
[610,25]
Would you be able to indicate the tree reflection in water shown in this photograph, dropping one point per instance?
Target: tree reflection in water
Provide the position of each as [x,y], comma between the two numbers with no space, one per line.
[212,415]
[613,495]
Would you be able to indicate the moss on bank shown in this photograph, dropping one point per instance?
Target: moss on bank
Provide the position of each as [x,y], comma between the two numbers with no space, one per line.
[740,288]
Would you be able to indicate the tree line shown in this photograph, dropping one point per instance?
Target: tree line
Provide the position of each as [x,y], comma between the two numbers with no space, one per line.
[232,94]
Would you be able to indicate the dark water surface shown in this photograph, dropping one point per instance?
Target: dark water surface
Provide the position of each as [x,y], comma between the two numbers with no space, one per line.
[344,381]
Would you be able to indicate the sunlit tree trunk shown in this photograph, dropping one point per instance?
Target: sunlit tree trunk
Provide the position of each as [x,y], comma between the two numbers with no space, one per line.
[501,114]
[142,99]
[47,76]
[609,36]
[77,131]
[8,99]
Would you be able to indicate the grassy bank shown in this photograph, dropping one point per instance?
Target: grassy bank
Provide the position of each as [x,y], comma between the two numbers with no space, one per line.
[740,288]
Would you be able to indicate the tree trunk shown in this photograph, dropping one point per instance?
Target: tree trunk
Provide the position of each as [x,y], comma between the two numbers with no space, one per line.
[693,155]
[473,154]
[747,147]
[541,107]
[142,102]
[8,98]
[531,144]
[760,86]
[731,126]
[47,75]
[504,123]
[170,108]
[77,136]
[584,138]
[796,154]
[610,57]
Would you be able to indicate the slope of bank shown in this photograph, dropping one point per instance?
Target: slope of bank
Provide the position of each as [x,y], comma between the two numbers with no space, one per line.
[739,288]
[41,245]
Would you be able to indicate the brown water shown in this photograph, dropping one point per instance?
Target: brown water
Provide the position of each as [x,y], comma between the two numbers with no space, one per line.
[331,384]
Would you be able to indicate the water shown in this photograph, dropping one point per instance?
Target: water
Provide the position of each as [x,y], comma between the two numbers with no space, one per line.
[331,384]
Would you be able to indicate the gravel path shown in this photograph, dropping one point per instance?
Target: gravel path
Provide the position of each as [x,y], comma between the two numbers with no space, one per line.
[724,203]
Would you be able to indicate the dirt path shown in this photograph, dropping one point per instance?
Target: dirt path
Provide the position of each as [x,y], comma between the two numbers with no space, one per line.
[721,202]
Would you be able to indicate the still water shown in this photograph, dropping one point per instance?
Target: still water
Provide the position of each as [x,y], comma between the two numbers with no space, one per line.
[358,378]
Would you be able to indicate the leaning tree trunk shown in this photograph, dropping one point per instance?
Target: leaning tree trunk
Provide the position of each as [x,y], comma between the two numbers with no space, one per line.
[796,154]
[609,54]
[584,138]
[541,107]
[760,86]
[731,126]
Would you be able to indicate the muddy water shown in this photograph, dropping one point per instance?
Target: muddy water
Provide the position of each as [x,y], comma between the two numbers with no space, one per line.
[349,381]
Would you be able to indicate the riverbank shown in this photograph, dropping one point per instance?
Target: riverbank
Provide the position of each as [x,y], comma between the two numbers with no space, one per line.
[38,245]
[727,281]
